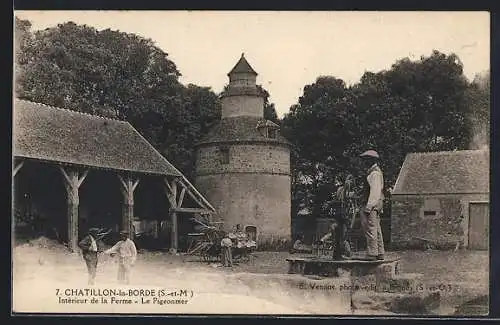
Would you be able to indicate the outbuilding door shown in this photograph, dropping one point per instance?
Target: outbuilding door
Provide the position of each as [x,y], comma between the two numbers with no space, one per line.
[479,216]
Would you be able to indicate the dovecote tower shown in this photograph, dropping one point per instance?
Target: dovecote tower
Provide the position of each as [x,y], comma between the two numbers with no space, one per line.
[243,163]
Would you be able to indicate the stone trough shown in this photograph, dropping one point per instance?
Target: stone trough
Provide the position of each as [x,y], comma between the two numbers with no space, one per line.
[331,268]
[378,284]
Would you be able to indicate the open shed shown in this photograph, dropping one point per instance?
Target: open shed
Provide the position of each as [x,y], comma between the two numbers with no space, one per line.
[73,171]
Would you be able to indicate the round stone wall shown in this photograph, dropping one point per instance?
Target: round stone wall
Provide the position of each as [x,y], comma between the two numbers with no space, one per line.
[242,105]
[253,158]
[248,184]
[260,200]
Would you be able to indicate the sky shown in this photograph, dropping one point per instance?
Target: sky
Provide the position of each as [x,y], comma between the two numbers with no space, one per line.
[291,49]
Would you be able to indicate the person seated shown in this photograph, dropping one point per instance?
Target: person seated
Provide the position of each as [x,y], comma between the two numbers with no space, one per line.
[240,236]
[341,246]
[299,246]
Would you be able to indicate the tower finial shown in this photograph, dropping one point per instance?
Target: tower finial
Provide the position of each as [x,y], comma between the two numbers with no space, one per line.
[242,54]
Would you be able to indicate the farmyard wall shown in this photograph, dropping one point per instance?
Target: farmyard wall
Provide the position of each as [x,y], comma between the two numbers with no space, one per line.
[446,228]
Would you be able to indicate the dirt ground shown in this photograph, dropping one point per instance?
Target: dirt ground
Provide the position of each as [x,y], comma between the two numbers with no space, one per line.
[43,271]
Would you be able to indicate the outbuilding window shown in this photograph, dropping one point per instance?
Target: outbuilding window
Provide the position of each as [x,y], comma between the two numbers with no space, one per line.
[429,213]
[431,208]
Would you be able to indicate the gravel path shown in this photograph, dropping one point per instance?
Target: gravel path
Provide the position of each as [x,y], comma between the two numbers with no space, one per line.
[40,269]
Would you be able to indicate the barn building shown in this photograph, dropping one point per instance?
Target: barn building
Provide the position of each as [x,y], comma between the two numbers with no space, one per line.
[243,163]
[442,198]
[73,171]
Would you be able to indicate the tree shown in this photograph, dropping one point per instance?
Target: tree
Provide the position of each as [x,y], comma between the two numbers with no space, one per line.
[269,109]
[318,128]
[478,111]
[100,72]
[119,75]
[22,39]
[414,106]
[199,111]
[436,87]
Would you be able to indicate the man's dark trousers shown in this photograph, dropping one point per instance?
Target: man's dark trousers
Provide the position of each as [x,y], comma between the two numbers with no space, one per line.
[91,261]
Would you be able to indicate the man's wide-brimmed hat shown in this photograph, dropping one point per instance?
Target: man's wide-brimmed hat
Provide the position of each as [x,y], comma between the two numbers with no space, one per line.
[124,232]
[93,230]
[370,153]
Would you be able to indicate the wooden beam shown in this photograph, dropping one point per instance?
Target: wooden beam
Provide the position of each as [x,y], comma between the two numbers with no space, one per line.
[196,199]
[171,200]
[174,190]
[128,186]
[134,186]
[170,189]
[17,167]
[171,193]
[82,177]
[166,182]
[181,197]
[192,210]
[66,176]
[195,193]
[124,184]
[174,236]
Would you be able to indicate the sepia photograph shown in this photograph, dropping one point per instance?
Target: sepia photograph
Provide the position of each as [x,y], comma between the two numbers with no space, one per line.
[251,163]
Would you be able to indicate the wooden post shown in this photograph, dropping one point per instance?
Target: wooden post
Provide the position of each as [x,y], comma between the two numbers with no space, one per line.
[128,187]
[171,192]
[174,238]
[73,181]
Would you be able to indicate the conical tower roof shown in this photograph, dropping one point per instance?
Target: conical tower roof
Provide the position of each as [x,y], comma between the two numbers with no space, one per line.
[242,67]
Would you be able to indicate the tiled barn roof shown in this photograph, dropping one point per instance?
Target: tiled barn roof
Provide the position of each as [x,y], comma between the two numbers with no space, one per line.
[54,134]
[446,172]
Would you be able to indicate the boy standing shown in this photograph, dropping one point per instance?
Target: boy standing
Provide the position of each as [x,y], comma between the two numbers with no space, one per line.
[127,256]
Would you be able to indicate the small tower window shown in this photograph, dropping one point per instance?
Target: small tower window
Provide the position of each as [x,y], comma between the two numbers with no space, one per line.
[224,155]
[268,129]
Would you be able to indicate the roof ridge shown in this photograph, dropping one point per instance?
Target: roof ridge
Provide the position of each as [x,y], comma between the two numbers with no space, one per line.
[69,110]
[443,152]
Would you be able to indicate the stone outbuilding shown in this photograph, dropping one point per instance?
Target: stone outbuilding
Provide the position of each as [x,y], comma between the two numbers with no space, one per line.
[73,171]
[442,199]
[243,163]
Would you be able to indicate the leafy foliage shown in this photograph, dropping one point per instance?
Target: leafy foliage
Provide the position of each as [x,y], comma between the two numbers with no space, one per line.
[118,75]
[424,105]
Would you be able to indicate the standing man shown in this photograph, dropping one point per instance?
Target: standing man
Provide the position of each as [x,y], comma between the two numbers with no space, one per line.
[88,245]
[127,256]
[373,200]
